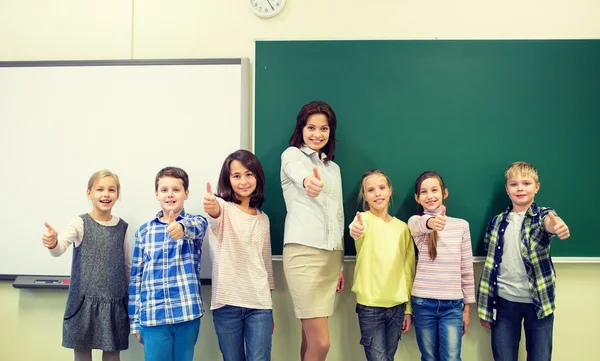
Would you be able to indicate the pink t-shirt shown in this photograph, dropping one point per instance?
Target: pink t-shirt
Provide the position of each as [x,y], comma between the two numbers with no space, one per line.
[240,250]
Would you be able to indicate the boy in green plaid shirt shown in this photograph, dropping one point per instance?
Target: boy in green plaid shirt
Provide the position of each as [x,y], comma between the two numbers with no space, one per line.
[518,279]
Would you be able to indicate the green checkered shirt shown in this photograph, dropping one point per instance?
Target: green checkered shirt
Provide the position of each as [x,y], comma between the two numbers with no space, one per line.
[535,253]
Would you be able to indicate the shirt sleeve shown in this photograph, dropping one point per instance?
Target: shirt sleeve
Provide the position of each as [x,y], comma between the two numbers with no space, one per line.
[340,217]
[73,234]
[466,268]
[409,266]
[135,284]
[418,229]
[544,211]
[195,228]
[127,252]
[340,213]
[267,256]
[293,164]
[488,235]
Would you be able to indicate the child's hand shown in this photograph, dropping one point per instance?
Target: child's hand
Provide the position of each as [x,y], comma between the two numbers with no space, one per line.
[50,237]
[137,336]
[211,205]
[556,225]
[175,229]
[466,319]
[484,323]
[313,184]
[357,227]
[407,323]
[438,222]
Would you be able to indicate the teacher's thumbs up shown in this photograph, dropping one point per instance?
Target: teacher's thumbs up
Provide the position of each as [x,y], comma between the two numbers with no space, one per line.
[556,225]
[316,173]
[357,227]
[50,237]
[175,229]
[313,184]
[211,205]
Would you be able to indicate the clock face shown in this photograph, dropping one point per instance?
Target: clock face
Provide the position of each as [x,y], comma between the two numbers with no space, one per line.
[266,8]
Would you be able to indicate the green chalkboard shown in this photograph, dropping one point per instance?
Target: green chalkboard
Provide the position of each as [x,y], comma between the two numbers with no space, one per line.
[464,108]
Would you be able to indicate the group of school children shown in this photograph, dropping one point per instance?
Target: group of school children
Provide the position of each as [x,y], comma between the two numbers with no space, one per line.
[156,294]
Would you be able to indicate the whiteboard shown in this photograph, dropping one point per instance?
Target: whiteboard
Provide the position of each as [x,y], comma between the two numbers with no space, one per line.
[62,121]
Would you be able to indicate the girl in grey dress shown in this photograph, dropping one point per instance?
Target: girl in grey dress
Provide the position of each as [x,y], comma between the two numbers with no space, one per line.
[96,312]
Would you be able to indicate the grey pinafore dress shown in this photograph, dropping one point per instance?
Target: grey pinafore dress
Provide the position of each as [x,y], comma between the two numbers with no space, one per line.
[96,312]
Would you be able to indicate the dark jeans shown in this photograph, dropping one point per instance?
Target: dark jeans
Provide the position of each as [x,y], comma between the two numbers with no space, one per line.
[438,326]
[380,330]
[236,326]
[506,332]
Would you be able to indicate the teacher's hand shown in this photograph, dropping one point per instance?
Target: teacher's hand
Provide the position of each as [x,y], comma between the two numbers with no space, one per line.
[313,184]
[341,283]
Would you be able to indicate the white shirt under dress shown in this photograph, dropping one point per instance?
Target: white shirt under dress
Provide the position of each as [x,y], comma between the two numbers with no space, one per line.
[315,222]
[73,234]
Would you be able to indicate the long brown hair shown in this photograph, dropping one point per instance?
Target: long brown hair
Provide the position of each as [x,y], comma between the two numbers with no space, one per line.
[250,162]
[433,236]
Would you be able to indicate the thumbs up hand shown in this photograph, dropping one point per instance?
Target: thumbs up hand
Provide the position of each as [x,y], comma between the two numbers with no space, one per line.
[175,229]
[211,205]
[313,184]
[438,222]
[556,225]
[357,227]
[50,237]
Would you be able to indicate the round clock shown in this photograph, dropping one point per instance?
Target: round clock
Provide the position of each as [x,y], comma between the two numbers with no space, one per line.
[266,8]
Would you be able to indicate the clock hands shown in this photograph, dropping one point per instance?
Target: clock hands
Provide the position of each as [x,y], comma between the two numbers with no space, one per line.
[272,8]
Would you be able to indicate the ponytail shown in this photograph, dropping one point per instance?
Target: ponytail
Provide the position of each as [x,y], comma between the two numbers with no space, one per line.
[432,239]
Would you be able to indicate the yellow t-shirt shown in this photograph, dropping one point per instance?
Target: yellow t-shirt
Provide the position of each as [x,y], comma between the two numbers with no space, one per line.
[385,263]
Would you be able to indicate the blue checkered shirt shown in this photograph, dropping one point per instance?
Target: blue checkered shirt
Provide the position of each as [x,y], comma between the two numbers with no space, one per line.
[165,273]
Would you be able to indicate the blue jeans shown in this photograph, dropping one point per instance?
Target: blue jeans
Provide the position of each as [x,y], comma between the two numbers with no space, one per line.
[506,332]
[438,326]
[170,342]
[380,330]
[234,325]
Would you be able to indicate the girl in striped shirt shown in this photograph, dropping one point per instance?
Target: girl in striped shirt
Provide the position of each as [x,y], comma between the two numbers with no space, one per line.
[444,286]
[240,250]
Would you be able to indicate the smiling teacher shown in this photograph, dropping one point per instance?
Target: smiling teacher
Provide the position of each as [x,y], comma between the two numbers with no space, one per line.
[313,238]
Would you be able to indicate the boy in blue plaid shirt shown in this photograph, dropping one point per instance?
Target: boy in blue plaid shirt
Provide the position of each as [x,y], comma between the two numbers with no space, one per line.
[518,279]
[165,303]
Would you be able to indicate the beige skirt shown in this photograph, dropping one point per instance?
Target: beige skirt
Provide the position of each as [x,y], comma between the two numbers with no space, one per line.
[312,276]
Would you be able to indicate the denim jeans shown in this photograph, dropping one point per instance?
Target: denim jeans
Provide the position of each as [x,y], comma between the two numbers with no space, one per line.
[380,330]
[170,342]
[506,332]
[234,325]
[438,325]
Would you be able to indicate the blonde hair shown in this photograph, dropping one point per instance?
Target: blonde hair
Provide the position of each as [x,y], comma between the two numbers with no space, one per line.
[103,174]
[361,193]
[520,168]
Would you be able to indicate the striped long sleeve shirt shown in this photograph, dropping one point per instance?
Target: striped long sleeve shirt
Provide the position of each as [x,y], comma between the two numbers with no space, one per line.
[450,275]
[165,273]
[240,250]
